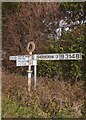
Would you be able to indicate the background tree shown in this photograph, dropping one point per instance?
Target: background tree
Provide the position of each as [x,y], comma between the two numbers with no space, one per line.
[24,22]
[54,27]
[71,26]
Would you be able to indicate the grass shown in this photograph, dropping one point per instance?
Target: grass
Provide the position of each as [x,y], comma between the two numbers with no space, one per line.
[51,99]
[14,109]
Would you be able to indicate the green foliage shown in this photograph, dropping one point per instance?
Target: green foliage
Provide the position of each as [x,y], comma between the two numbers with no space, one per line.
[11,108]
[48,68]
[73,11]
[63,114]
[14,109]
[71,42]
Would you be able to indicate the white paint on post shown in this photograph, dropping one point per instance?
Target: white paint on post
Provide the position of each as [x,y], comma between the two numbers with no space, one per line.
[29,80]
[29,75]
[35,69]
[29,72]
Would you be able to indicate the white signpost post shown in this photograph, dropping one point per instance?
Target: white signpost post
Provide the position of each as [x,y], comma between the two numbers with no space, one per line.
[31,60]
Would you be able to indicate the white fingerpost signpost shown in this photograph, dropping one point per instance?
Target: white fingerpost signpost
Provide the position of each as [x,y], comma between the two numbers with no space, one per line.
[30,50]
[31,60]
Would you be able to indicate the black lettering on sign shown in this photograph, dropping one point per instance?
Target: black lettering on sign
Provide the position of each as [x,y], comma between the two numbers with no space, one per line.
[47,56]
[62,56]
[77,56]
[50,56]
[72,55]
[57,56]
[69,56]
[66,56]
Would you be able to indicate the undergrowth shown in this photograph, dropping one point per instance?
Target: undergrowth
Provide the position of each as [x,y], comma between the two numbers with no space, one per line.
[52,98]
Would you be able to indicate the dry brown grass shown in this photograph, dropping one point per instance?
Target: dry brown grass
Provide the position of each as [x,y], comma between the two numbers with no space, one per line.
[50,95]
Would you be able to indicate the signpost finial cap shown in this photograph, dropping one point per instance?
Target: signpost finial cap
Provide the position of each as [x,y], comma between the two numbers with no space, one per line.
[32,45]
